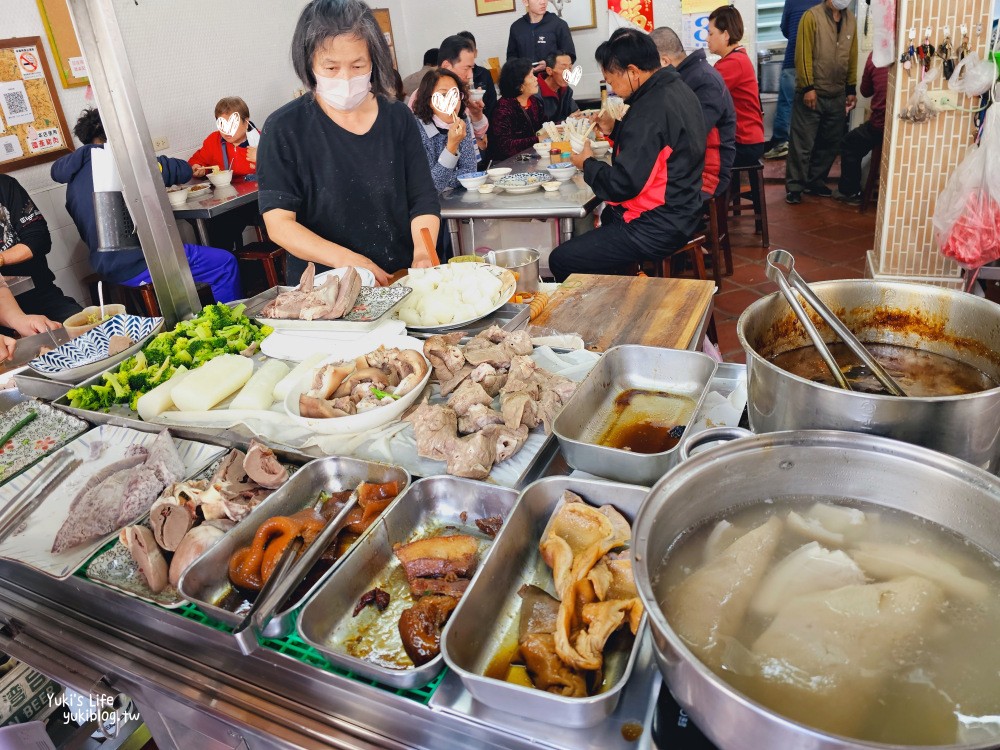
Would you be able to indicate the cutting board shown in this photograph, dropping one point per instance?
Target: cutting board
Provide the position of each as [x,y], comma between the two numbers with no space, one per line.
[608,311]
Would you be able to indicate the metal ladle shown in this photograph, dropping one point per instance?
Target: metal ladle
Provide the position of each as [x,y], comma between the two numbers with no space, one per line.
[781,270]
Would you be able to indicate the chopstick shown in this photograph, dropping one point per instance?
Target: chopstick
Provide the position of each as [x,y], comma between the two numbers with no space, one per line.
[24,422]
[28,503]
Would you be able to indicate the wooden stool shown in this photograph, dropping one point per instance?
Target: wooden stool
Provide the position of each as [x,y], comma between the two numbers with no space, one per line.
[755,174]
[267,255]
[718,236]
[671,267]
[871,184]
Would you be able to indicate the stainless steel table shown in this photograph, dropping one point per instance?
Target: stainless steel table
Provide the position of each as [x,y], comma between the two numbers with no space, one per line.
[215,203]
[19,284]
[573,200]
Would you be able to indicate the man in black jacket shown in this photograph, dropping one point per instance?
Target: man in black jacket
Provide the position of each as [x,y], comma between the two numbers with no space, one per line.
[24,243]
[481,79]
[716,105]
[537,34]
[653,186]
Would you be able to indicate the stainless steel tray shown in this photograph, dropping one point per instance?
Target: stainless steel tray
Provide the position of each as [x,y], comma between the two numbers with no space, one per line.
[483,621]
[578,425]
[31,383]
[206,580]
[425,509]
[356,320]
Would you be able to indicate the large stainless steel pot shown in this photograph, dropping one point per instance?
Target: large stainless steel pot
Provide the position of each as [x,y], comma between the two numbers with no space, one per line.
[885,472]
[955,324]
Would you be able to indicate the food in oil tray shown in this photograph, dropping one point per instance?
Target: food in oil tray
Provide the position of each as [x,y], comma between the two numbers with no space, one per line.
[332,299]
[647,421]
[875,625]
[452,294]
[188,518]
[251,566]
[492,369]
[376,379]
[562,639]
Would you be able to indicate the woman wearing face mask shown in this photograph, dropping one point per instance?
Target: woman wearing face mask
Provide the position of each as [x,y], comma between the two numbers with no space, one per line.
[343,176]
[518,115]
[447,136]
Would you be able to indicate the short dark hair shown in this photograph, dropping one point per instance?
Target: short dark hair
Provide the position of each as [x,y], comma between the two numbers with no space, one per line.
[667,42]
[323,19]
[398,86]
[89,127]
[422,99]
[229,104]
[727,18]
[468,35]
[512,76]
[550,61]
[628,47]
[452,48]
[431,56]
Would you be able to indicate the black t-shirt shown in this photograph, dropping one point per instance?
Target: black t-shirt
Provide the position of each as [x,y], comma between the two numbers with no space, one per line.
[360,191]
[22,223]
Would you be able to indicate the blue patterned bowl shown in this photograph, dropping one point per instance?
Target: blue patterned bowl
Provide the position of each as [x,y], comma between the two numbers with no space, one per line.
[87,355]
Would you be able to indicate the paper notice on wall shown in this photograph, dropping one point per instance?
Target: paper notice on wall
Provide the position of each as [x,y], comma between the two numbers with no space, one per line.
[694,31]
[15,104]
[1,125]
[43,140]
[698,6]
[78,66]
[28,62]
[10,148]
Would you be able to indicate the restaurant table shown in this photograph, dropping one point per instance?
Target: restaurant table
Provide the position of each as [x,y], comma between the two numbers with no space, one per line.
[215,203]
[573,200]
[609,311]
[19,284]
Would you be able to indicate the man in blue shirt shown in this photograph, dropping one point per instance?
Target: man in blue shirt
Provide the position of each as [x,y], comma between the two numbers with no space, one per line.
[790,16]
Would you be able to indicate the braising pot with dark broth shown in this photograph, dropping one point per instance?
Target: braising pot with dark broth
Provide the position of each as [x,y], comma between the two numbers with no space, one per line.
[939,333]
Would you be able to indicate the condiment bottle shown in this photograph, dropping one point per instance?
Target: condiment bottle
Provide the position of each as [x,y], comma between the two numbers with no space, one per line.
[567,156]
[604,94]
[555,156]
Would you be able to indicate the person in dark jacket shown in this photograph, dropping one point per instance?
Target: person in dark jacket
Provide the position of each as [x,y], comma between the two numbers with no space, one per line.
[554,91]
[24,243]
[860,141]
[481,79]
[716,105]
[653,186]
[537,34]
[209,265]
[519,112]
[791,14]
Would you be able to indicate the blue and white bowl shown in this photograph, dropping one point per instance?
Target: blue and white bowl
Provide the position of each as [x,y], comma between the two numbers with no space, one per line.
[562,172]
[87,355]
[472,180]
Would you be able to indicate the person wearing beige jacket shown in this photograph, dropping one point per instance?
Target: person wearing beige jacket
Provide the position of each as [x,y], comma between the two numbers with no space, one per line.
[826,75]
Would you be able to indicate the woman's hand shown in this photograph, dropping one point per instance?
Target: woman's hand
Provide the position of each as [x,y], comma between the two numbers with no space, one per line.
[456,134]
[359,261]
[7,346]
[29,325]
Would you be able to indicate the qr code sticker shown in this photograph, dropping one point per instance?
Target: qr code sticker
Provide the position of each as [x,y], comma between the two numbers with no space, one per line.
[8,148]
[16,103]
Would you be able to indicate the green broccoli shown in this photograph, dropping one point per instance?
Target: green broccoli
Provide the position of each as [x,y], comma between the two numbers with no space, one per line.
[263,331]
[138,382]
[121,390]
[183,357]
[161,347]
[92,398]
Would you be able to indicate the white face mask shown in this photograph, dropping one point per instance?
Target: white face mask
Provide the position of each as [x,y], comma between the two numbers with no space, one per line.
[841,4]
[343,94]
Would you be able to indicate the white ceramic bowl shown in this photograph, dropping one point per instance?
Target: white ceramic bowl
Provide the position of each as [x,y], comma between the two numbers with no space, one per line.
[178,196]
[552,186]
[472,180]
[497,172]
[220,178]
[562,172]
[476,95]
[542,149]
[600,148]
[197,192]
[365,421]
[486,189]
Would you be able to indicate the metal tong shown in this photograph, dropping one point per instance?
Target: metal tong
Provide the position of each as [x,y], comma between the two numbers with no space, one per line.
[290,569]
[781,270]
[24,503]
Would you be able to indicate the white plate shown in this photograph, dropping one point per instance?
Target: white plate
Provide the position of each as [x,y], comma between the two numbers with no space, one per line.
[506,292]
[368,420]
[295,346]
[367,277]
[519,189]
[32,545]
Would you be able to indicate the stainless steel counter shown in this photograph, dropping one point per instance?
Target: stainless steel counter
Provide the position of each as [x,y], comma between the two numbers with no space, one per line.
[216,202]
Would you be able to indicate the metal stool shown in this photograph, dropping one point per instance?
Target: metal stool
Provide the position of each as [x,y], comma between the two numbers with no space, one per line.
[874,170]
[755,174]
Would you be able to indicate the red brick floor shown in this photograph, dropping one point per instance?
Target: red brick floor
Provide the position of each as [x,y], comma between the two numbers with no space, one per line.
[828,239]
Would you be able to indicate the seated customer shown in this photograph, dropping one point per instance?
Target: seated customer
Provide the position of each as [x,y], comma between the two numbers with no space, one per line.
[448,139]
[519,113]
[209,265]
[412,81]
[24,243]
[716,106]
[653,186]
[481,79]
[554,91]
[860,141]
[225,148]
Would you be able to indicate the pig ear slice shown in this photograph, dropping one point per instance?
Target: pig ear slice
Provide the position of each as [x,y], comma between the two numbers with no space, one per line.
[318,408]
[414,362]
[328,379]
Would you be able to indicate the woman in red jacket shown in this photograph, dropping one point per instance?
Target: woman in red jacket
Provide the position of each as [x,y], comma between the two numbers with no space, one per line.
[233,145]
[725,30]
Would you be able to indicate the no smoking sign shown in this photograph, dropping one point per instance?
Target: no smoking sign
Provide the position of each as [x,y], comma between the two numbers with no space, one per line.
[29,63]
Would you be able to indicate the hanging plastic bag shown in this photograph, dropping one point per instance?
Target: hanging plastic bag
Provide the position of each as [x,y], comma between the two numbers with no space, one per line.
[967,214]
[973,76]
[920,108]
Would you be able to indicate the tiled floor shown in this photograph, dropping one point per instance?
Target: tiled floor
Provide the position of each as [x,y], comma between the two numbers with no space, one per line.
[829,240]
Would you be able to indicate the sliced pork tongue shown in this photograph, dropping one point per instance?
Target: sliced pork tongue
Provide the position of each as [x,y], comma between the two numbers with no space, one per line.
[263,467]
[350,288]
[141,545]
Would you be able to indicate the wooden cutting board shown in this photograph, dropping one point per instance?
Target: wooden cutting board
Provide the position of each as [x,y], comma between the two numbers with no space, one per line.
[608,311]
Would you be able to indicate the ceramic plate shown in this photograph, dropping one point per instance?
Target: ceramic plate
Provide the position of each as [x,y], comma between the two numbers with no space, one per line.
[87,355]
[49,431]
[522,179]
[31,545]
[374,304]
[367,277]
[506,292]
[519,189]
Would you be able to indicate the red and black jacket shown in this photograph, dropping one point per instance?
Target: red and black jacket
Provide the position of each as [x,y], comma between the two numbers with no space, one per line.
[720,120]
[658,157]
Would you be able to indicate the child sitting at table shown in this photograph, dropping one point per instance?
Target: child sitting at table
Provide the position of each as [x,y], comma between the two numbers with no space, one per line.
[232,145]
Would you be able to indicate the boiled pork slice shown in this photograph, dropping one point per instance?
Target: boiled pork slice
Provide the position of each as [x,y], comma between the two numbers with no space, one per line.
[171,521]
[164,461]
[472,456]
[139,542]
[263,467]
[478,417]
[195,543]
[435,429]
[141,491]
